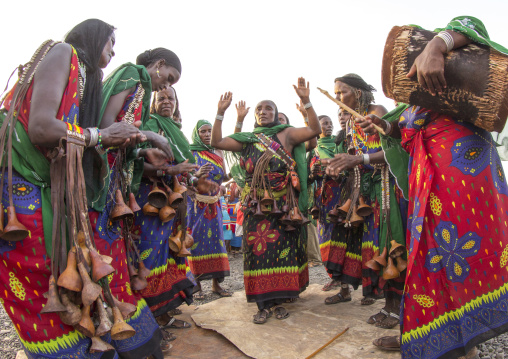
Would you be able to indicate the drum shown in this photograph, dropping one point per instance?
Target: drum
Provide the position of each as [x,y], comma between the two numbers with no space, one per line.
[476,76]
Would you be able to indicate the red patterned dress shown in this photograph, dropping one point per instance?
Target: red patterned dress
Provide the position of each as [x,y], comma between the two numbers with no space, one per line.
[26,267]
[456,291]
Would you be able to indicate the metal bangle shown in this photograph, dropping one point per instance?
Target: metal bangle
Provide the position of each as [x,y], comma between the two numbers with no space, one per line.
[389,128]
[94,136]
[219,117]
[366,159]
[448,39]
[161,173]
[239,125]
[307,105]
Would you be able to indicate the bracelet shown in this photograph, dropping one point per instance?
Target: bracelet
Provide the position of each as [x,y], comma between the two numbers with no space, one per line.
[448,39]
[239,125]
[94,136]
[138,150]
[100,150]
[389,128]
[161,173]
[366,159]
[219,117]
[307,105]
[190,182]
[306,120]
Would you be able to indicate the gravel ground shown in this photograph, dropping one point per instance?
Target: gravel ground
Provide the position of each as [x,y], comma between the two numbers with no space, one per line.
[496,348]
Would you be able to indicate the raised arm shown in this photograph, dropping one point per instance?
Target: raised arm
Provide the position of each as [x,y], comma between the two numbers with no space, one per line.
[312,143]
[300,135]
[219,142]
[242,112]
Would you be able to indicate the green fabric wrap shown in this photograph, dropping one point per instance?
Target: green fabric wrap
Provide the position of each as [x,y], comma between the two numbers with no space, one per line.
[326,147]
[30,163]
[396,157]
[298,155]
[197,144]
[371,187]
[172,131]
[475,30]
[126,76]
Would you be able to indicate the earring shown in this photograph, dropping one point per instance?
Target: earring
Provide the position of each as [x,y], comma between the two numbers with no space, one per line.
[158,75]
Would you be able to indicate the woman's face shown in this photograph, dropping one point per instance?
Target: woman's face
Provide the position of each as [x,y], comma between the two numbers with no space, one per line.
[265,113]
[205,134]
[167,76]
[326,126]
[343,118]
[283,119]
[165,102]
[344,94]
[107,51]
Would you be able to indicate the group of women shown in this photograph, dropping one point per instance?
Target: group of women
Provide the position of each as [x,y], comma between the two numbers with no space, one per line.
[450,288]
[130,150]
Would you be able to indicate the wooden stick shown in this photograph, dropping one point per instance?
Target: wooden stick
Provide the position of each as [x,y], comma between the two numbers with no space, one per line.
[329,342]
[350,110]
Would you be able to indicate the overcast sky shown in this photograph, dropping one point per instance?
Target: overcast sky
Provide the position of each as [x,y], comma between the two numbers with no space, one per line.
[256,49]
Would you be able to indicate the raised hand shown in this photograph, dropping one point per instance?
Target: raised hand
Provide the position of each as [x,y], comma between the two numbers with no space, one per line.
[241,110]
[302,91]
[224,102]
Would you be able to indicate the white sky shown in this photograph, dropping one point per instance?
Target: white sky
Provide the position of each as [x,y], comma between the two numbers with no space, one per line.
[256,49]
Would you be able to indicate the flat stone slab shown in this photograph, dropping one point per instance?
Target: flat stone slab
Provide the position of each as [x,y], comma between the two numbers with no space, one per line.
[310,325]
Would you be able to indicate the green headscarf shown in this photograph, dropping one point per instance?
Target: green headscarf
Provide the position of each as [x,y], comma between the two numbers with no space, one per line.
[124,77]
[298,154]
[172,131]
[326,147]
[197,144]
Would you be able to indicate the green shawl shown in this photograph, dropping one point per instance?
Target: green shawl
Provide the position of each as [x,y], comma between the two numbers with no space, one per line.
[197,144]
[124,77]
[172,131]
[326,147]
[475,30]
[298,155]
[396,157]
[30,163]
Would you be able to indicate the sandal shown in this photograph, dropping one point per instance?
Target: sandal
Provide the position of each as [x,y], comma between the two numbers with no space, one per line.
[388,343]
[261,316]
[376,318]
[337,298]
[281,313]
[167,335]
[331,285]
[165,347]
[174,312]
[391,321]
[222,293]
[176,324]
[368,301]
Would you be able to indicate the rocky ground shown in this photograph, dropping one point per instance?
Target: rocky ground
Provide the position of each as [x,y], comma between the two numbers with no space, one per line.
[495,348]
